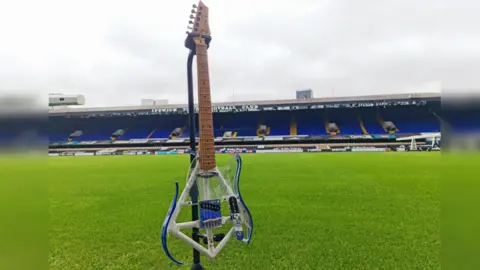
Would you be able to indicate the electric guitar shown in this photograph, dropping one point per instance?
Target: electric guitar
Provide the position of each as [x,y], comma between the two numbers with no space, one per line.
[205,173]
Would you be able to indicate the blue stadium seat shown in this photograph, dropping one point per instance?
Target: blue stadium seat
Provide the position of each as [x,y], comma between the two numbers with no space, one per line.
[310,122]
[346,121]
[412,120]
[369,117]
[461,122]
[245,123]
[279,122]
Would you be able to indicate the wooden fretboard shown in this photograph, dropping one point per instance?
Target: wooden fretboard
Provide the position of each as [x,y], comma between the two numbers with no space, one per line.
[207,138]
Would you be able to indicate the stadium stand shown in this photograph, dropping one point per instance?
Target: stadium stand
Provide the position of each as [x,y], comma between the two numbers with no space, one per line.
[340,122]
[325,121]
[462,121]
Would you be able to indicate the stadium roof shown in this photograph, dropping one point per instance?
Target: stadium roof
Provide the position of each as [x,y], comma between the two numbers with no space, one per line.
[259,102]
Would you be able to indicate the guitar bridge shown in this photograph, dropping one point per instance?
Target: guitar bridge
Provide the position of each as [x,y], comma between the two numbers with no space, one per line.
[210,214]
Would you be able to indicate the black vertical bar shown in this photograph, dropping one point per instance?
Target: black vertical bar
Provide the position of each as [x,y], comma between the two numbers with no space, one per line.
[194,190]
[191,109]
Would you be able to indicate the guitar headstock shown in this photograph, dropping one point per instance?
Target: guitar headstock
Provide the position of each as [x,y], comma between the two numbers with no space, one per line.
[198,24]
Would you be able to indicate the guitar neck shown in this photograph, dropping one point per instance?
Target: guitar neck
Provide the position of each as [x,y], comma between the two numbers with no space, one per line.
[205,117]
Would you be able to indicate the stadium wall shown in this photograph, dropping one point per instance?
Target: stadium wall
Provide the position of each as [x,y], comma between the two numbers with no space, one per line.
[248,149]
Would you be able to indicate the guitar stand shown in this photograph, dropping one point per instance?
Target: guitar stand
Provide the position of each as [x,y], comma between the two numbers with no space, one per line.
[191,125]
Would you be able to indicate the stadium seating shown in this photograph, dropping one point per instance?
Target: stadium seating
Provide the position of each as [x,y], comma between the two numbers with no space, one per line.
[60,128]
[102,128]
[278,122]
[462,122]
[412,120]
[370,121]
[310,122]
[346,121]
[306,122]
[245,124]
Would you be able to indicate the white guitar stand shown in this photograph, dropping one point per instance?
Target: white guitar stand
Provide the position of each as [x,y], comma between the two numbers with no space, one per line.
[210,211]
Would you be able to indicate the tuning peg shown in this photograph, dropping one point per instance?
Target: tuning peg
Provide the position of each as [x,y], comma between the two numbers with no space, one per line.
[193,11]
[192,17]
[190,22]
[194,6]
[189,27]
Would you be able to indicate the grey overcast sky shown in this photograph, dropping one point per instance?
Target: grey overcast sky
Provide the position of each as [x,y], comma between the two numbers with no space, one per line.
[116,52]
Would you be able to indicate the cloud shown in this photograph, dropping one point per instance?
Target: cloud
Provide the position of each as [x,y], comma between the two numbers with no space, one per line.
[117,52]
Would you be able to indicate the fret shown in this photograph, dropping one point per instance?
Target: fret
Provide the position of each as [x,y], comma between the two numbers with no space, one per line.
[207,143]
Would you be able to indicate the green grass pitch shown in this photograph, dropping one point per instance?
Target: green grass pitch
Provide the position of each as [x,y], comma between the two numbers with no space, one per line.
[311,211]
